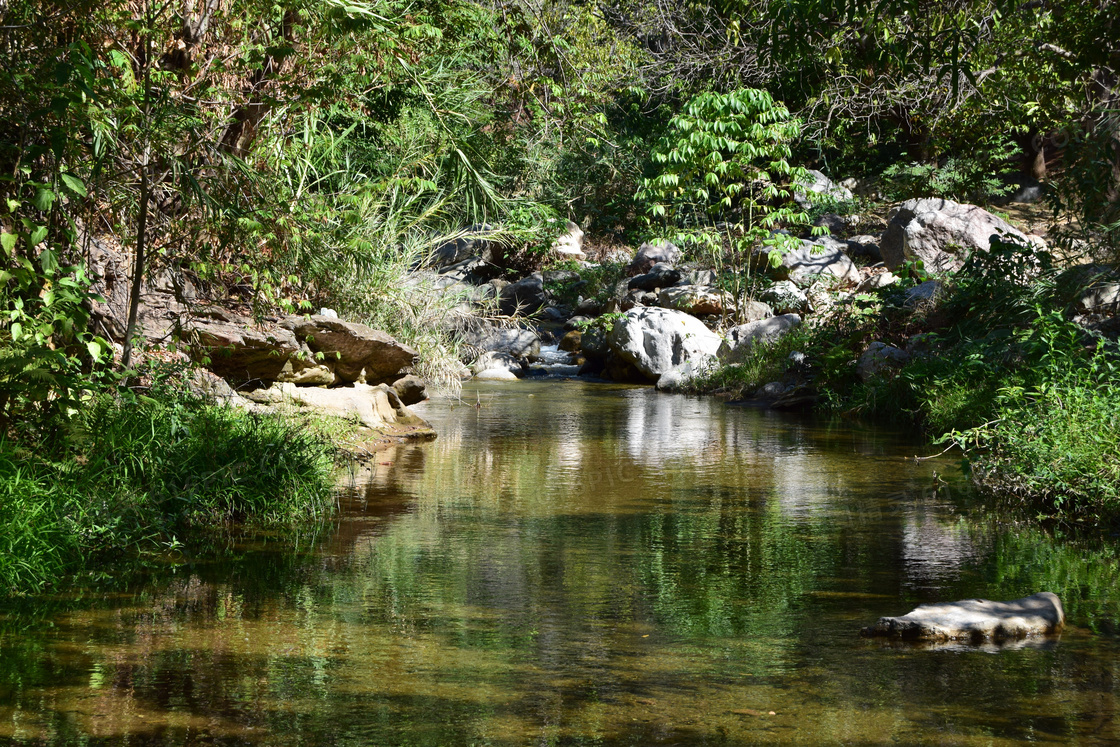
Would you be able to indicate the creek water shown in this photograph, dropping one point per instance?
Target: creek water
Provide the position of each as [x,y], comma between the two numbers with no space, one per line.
[581,564]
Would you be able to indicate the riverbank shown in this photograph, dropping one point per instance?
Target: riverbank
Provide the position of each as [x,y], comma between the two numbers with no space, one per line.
[128,476]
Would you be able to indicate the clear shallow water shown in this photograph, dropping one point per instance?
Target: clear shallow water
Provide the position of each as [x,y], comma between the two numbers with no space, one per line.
[574,564]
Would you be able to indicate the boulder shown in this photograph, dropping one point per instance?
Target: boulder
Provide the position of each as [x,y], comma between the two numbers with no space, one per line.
[210,387]
[878,356]
[355,352]
[866,247]
[470,242]
[819,186]
[302,370]
[754,311]
[976,620]
[741,339]
[491,361]
[661,275]
[820,259]
[238,348]
[679,377]
[569,245]
[656,340]
[650,254]
[525,296]
[515,341]
[877,281]
[942,233]
[922,293]
[786,298]
[495,374]
[411,389]
[695,299]
[373,406]
[570,342]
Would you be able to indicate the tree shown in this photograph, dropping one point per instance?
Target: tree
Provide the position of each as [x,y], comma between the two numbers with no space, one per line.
[725,177]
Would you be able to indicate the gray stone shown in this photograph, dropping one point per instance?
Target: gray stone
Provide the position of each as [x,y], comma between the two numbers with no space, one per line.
[650,254]
[770,390]
[878,356]
[786,298]
[515,341]
[942,233]
[813,260]
[661,275]
[820,186]
[753,311]
[495,374]
[411,389]
[741,339]
[526,296]
[976,620]
[877,281]
[836,224]
[471,241]
[865,247]
[922,293]
[355,351]
[677,379]
[657,340]
[237,347]
[491,360]
[695,299]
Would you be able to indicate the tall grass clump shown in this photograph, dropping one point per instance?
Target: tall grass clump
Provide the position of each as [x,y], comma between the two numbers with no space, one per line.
[134,475]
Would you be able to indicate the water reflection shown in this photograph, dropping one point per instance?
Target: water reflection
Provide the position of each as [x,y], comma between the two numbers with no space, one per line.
[578,565]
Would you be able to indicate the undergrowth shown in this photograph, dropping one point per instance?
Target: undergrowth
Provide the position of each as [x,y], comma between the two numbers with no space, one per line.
[995,367]
[133,475]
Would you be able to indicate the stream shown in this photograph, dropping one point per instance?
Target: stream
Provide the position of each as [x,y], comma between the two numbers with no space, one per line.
[588,564]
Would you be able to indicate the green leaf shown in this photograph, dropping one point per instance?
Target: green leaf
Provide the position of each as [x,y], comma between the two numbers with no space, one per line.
[74,184]
[37,235]
[17,331]
[44,199]
[94,349]
[8,241]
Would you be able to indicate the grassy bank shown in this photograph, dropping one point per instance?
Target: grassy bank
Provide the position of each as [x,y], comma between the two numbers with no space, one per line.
[996,365]
[129,477]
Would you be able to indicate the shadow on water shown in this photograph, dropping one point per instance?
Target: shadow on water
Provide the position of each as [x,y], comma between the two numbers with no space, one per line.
[572,564]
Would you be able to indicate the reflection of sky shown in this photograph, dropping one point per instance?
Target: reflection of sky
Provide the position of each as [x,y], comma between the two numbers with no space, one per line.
[662,428]
[933,550]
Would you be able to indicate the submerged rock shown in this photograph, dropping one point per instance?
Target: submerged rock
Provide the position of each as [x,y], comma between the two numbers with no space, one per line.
[976,620]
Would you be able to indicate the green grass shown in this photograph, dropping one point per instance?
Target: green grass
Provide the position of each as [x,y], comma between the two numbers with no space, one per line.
[137,475]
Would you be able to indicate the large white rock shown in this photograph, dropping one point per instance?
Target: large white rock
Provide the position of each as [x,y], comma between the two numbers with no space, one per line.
[823,259]
[570,244]
[695,299]
[741,339]
[818,185]
[374,406]
[657,340]
[976,620]
[942,233]
[651,254]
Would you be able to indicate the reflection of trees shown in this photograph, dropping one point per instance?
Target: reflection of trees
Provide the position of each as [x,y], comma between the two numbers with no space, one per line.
[496,587]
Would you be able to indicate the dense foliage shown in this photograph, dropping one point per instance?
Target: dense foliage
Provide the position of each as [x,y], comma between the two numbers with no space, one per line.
[314,153]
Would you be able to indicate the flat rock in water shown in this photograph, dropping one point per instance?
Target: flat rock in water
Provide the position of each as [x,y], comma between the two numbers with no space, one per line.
[976,620]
